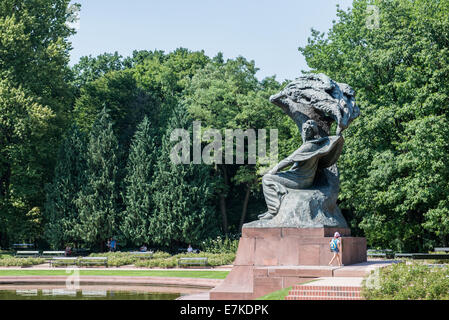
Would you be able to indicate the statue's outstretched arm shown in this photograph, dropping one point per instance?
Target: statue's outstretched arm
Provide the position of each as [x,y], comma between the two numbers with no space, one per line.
[281,165]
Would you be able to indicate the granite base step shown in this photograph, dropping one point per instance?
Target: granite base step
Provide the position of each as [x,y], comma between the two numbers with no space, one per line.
[326,292]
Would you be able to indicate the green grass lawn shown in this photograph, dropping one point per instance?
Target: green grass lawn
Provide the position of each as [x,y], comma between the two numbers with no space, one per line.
[207,274]
[276,295]
[280,294]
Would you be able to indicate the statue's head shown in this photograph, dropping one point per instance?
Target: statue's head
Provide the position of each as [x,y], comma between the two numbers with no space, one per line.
[309,130]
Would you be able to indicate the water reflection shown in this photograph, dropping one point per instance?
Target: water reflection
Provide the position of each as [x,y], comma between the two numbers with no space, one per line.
[95,293]
[27,293]
[65,294]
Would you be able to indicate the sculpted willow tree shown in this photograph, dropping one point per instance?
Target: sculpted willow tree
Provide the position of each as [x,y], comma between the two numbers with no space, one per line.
[394,177]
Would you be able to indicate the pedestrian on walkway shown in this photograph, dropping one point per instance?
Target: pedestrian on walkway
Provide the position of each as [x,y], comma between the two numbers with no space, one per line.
[335,246]
[113,245]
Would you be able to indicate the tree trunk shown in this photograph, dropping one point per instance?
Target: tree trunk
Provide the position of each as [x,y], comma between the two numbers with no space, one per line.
[245,206]
[224,215]
[224,218]
[5,181]
[444,240]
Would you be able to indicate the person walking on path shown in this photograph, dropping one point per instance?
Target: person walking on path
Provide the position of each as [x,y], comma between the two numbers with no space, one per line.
[335,246]
[113,245]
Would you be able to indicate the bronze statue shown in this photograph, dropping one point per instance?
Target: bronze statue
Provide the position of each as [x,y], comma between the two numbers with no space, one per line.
[306,194]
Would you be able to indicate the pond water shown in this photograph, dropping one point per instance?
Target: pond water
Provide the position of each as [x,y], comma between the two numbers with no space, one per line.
[83,294]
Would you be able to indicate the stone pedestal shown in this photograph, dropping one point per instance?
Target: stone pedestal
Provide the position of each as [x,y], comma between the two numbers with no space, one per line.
[269,259]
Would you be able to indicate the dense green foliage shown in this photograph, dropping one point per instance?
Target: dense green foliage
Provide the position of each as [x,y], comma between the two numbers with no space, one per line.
[394,176]
[91,68]
[85,151]
[228,244]
[61,211]
[98,201]
[9,260]
[226,95]
[408,282]
[35,99]
[159,259]
[138,197]
[181,188]
[20,262]
[213,259]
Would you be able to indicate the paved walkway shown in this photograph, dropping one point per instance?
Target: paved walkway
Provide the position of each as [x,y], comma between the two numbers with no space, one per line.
[345,276]
[195,296]
[46,266]
[113,280]
[337,281]
[324,281]
[351,275]
[199,287]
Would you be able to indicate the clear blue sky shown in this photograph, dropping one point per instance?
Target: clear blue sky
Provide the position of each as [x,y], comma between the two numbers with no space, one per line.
[268,32]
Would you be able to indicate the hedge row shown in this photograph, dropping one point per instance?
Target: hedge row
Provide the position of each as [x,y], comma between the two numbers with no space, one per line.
[10,261]
[413,281]
[162,259]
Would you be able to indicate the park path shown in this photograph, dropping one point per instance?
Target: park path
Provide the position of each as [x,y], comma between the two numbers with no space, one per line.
[345,282]
[344,277]
[182,285]
[46,266]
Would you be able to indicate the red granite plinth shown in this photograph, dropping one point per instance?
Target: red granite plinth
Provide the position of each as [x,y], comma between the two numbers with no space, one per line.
[269,259]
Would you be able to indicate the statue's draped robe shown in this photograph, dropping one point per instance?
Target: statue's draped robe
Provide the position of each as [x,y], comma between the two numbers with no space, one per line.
[312,155]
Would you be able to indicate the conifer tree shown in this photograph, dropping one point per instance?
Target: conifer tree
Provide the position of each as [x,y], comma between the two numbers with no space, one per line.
[183,195]
[138,197]
[98,202]
[61,213]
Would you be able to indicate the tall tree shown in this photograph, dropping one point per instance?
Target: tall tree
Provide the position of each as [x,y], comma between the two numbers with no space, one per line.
[61,212]
[169,73]
[34,102]
[394,181]
[212,97]
[127,104]
[165,76]
[182,194]
[90,68]
[138,181]
[98,201]
[227,95]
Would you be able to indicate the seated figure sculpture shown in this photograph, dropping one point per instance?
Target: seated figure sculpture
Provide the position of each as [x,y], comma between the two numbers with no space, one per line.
[305,162]
[305,196]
